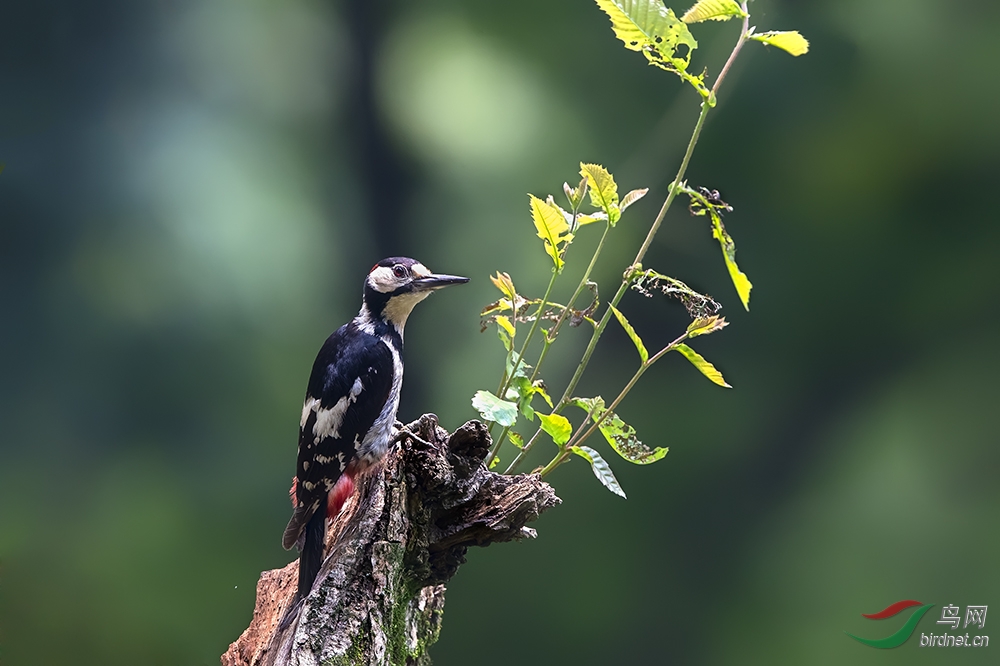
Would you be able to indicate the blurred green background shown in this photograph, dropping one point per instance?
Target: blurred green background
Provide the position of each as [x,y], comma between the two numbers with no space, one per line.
[194,190]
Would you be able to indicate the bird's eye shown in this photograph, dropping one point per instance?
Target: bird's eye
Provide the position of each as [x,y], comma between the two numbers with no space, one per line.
[399,271]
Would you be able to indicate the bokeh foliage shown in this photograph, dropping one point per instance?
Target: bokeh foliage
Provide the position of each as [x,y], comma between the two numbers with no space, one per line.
[192,191]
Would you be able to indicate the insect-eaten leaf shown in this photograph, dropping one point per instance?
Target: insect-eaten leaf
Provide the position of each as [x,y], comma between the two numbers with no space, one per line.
[713,10]
[552,228]
[516,439]
[636,340]
[788,40]
[494,462]
[492,408]
[698,305]
[649,27]
[706,368]
[601,468]
[620,435]
[706,325]
[557,426]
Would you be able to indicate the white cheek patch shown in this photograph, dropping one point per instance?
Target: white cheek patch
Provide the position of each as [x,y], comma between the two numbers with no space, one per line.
[419,270]
[382,279]
[328,420]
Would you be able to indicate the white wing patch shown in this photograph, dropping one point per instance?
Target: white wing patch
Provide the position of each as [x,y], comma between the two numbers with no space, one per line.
[328,421]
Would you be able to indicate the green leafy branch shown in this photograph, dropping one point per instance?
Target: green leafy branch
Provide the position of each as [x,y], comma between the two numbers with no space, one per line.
[646,26]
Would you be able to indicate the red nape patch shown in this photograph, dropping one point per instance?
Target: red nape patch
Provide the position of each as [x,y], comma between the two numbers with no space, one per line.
[343,489]
[373,268]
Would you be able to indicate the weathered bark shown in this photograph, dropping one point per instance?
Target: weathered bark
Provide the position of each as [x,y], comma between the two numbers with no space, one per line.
[379,597]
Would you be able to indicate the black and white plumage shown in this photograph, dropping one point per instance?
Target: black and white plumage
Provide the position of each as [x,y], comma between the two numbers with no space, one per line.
[351,401]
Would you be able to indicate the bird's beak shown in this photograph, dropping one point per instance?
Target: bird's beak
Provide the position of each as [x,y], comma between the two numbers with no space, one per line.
[436,281]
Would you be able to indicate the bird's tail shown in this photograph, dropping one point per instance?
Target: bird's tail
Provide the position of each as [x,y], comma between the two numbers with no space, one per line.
[311,556]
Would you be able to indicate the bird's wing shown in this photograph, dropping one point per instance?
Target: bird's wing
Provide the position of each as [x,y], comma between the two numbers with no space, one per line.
[350,383]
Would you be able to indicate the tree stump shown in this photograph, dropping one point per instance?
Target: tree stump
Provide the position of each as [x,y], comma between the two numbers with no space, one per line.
[379,596]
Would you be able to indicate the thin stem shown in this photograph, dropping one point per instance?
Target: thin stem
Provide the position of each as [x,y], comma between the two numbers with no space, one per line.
[706,105]
[517,362]
[551,336]
[579,438]
[671,195]
[744,35]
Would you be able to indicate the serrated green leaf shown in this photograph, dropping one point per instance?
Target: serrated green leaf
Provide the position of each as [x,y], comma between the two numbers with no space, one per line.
[712,10]
[706,368]
[552,228]
[557,426]
[620,435]
[603,189]
[516,439]
[739,278]
[636,340]
[649,27]
[632,197]
[601,468]
[706,325]
[492,408]
[787,40]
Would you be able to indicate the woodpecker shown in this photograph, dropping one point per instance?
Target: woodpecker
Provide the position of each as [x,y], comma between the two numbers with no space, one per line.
[351,402]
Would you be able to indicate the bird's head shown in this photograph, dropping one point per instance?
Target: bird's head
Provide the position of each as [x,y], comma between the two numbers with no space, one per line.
[395,285]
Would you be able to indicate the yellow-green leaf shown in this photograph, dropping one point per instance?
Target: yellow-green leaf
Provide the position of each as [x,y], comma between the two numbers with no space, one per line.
[557,425]
[539,388]
[788,40]
[712,10]
[739,278]
[648,26]
[636,340]
[620,435]
[505,324]
[551,227]
[706,368]
[516,439]
[603,188]
[601,468]
[505,284]
[706,325]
